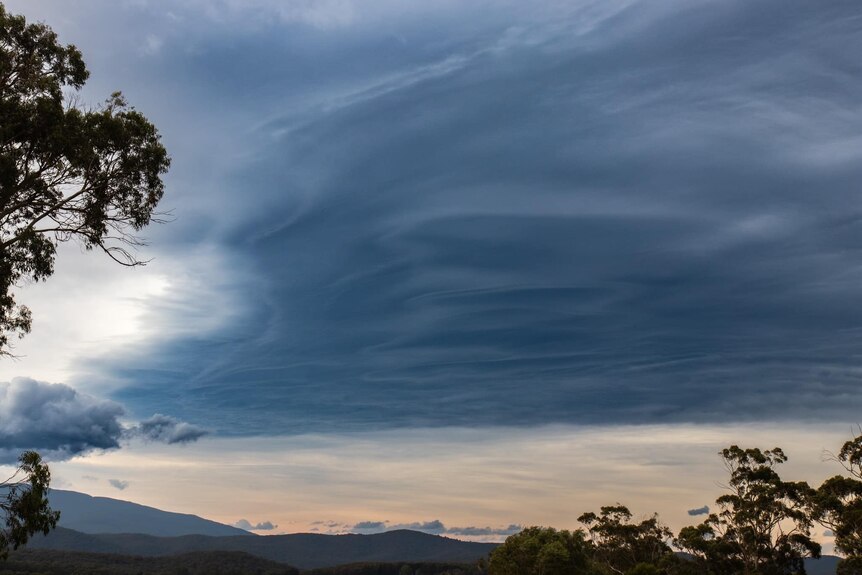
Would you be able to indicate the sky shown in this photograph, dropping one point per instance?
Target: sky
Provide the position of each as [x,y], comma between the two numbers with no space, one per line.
[460,267]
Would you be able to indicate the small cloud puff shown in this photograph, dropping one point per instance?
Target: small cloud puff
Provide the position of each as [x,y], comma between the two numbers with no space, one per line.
[699,511]
[262,526]
[366,525]
[118,483]
[167,429]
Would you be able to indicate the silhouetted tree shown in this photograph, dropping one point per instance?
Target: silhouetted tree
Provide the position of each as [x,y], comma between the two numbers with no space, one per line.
[25,505]
[763,525]
[542,551]
[65,172]
[621,546]
[838,506]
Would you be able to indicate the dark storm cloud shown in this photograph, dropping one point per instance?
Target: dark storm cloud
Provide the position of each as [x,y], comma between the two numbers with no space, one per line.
[54,420]
[618,215]
[60,422]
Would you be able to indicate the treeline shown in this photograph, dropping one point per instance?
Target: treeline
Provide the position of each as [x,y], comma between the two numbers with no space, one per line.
[47,562]
[762,526]
[398,569]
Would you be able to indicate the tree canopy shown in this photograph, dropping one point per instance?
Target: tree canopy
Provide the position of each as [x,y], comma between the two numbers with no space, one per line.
[838,506]
[66,172]
[622,546]
[543,551]
[764,523]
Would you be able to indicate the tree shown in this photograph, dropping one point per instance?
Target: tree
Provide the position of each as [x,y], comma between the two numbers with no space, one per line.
[66,172]
[542,551]
[625,547]
[763,525]
[838,505]
[25,505]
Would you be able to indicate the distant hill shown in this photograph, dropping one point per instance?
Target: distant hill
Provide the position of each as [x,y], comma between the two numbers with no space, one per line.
[302,550]
[47,562]
[826,565]
[89,514]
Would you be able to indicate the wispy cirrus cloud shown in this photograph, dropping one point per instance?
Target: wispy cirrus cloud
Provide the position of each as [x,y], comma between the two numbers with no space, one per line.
[554,218]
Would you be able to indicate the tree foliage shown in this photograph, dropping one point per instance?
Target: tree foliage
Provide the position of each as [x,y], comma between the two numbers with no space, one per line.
[25,503]
[838,506]
[622,546]
[542,551]
[66,172]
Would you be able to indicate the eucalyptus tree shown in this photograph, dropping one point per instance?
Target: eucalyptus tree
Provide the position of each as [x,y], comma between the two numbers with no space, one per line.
[67,172]
[543,551]
[838,506]
[622,546]
[763,524]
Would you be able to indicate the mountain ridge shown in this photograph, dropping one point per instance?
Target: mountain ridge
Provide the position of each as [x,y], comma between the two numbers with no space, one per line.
[302,550]
[92,514]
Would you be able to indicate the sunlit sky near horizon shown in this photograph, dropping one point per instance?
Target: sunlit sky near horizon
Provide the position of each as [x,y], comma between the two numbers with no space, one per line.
[459,266]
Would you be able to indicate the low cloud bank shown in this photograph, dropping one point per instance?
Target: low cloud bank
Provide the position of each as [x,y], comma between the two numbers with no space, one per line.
[248,526]
[59,422]
[435,527]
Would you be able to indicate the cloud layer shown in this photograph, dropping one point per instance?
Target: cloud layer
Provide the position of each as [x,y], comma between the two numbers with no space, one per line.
[585,212]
